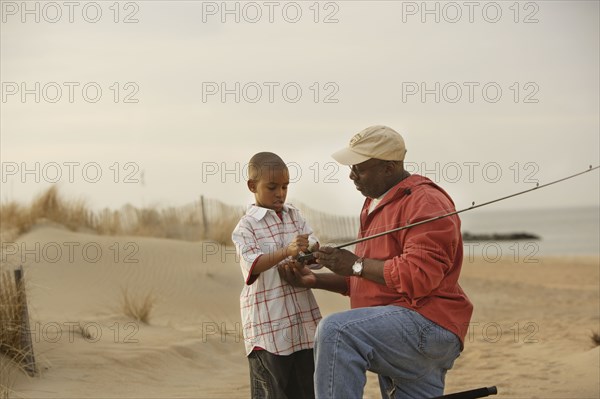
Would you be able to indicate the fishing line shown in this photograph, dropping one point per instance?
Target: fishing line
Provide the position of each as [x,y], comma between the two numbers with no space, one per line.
[309,257]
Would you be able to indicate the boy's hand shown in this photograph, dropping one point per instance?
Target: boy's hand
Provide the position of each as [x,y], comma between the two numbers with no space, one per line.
[297,274]
[307,258]
[298,244]
[313,244]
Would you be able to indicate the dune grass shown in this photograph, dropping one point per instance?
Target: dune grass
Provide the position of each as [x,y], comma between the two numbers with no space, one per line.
[595,337]
[211,221]
[9,369]
[12,353]
[137,307]
[47,206]
[11,310]
[6,366]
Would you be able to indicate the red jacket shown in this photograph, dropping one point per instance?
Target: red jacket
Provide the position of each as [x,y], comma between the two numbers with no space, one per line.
[422,264]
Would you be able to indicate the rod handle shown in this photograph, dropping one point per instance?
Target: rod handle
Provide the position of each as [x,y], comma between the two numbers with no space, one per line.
[472,394]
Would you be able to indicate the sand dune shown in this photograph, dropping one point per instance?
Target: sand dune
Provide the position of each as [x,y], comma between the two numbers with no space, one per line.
[530,334]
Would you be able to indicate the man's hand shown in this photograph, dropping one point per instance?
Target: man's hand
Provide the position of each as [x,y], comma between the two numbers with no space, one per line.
[339,261]
[297,274]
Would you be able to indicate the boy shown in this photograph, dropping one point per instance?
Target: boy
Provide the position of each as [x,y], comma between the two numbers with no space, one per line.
[279,320]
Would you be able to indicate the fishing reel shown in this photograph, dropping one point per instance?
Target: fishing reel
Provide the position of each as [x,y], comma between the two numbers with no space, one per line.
[308,257]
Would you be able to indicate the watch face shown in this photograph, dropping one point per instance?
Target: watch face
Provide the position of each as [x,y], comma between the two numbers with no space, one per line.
[357,268]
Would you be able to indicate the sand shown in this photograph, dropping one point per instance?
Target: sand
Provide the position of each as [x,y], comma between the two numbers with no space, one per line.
[530,332]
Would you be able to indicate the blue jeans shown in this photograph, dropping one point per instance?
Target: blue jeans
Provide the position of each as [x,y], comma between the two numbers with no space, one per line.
[410,353]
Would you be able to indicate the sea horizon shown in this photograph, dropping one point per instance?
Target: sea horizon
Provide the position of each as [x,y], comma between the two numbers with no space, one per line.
[562,231]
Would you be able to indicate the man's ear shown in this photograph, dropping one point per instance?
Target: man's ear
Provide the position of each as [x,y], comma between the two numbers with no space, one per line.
[252,185]
[390,168]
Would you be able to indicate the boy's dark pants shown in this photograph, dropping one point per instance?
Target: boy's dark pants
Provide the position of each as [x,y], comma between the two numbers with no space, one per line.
[281,377]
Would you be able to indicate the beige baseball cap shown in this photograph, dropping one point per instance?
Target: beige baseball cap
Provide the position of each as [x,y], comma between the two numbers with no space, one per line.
[379,142]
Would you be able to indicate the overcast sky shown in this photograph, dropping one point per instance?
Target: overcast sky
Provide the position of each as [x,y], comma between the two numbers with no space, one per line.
[157,103]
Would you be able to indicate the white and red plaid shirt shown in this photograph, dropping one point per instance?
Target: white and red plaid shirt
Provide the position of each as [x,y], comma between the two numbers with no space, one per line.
[276,317]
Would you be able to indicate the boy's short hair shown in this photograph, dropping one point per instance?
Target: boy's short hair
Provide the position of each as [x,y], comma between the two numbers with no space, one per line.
[264,160]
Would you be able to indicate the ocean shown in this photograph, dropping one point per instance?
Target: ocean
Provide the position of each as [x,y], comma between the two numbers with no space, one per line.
[568,231]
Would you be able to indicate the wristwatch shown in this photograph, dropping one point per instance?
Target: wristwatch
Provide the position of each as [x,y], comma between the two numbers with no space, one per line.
[357,267]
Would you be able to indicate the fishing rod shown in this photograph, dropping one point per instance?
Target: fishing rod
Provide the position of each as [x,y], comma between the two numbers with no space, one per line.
[472,394]
[309,257]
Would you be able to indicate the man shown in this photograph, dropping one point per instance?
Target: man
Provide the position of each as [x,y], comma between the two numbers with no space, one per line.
[409,315]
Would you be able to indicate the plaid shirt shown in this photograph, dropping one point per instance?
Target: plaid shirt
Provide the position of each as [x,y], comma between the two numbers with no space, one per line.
[276,316]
